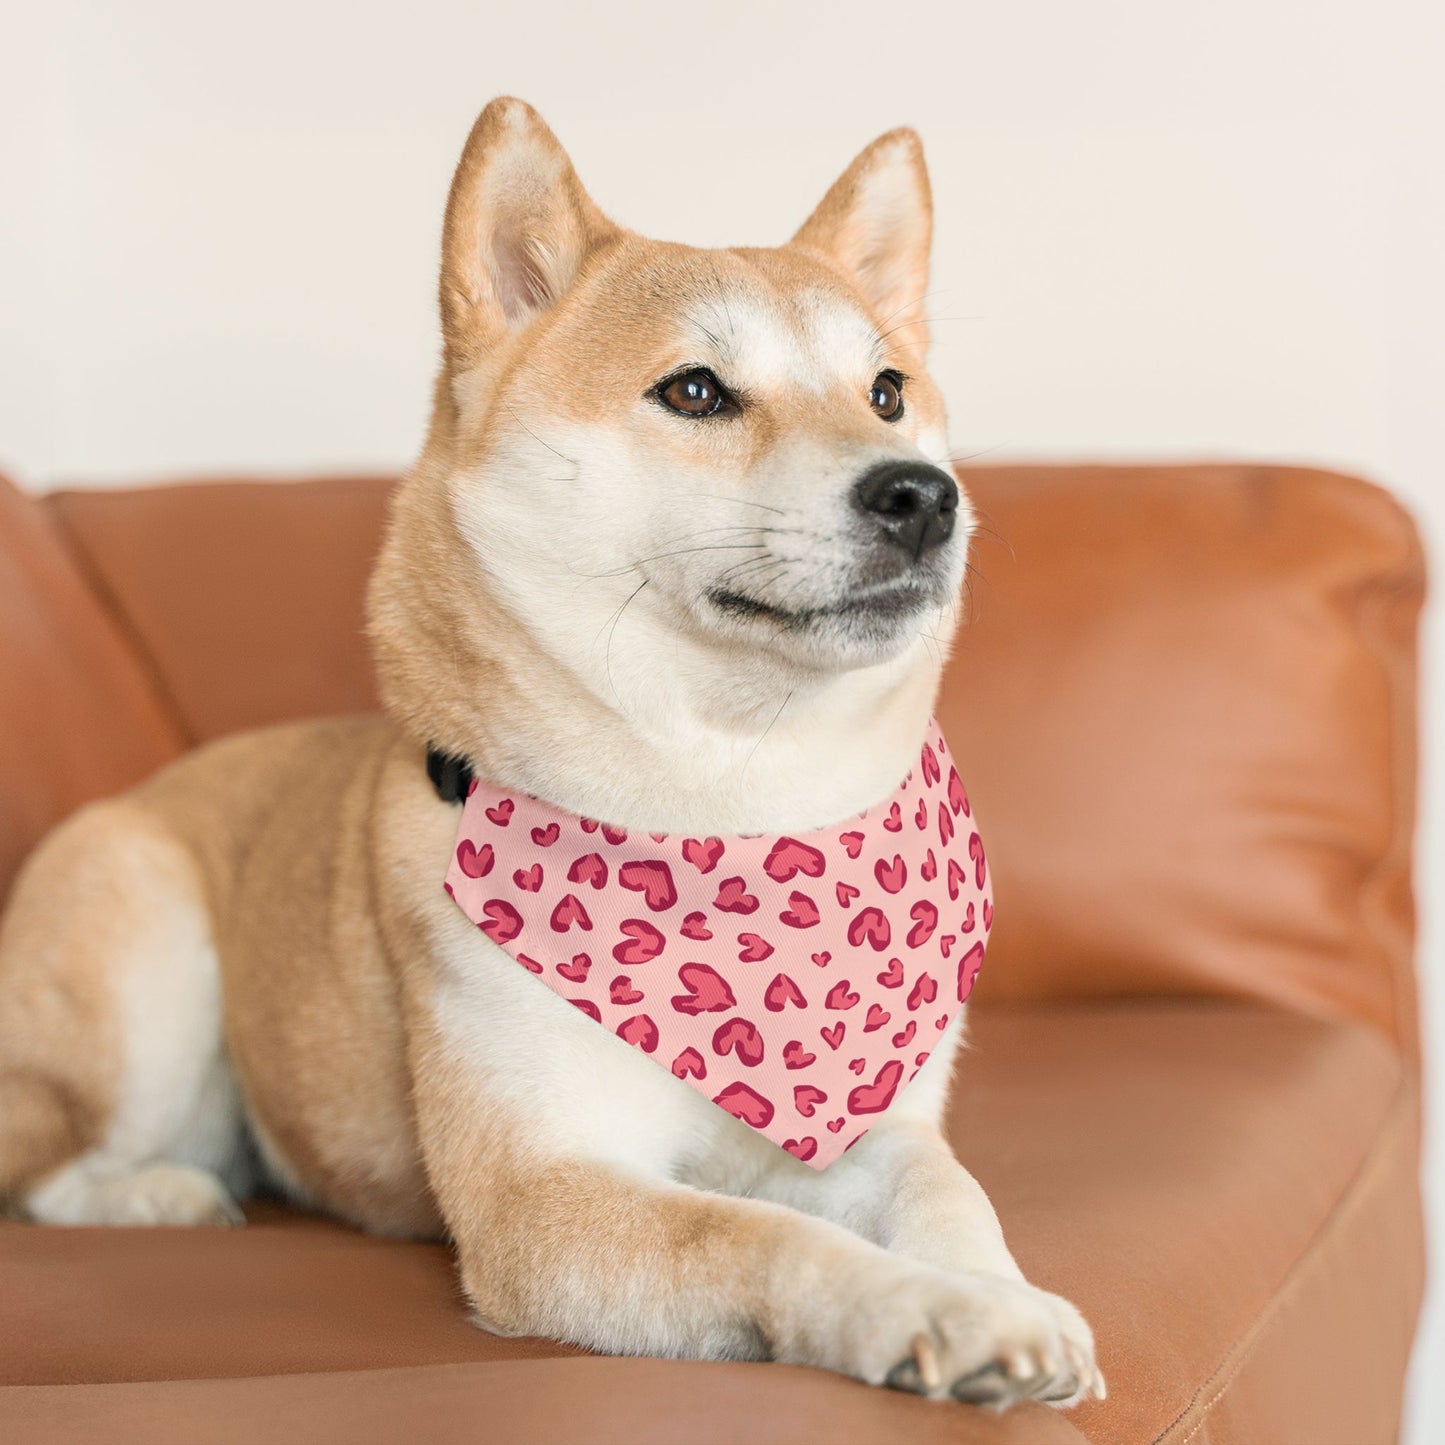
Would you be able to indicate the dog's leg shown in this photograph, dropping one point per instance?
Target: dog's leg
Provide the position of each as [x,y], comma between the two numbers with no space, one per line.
[901,1188]
[588,1253]
[116,1103]
[551,1162]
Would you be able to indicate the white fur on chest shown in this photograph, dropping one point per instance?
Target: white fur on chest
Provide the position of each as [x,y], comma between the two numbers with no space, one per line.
[582,1092]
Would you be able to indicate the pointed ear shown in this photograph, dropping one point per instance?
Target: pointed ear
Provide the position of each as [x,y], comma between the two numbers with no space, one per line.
[877,223]
[518,228]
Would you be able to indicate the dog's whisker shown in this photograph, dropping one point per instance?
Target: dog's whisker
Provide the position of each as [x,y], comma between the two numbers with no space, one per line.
[929,320]
[571,461]
[659,556]
[612,633]
[764,555]
[807,580]
[690,551]
[763,552]
[761,579]
[765,732]
[741,502]
[881,336]
[881,344]
[991,530]
[687,551]
[735,573]
[916,301]
[747,528]
[611,616]
[966,456]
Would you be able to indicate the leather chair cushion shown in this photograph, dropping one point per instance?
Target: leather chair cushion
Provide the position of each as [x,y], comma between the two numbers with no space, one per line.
[1187,1173]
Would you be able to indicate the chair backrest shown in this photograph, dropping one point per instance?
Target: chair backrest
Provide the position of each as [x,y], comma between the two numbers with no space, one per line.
[1183,703]
[1186,704]
[245,596]
[79,717]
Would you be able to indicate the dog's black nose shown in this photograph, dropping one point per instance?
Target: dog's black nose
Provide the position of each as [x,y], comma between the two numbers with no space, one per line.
[913,503]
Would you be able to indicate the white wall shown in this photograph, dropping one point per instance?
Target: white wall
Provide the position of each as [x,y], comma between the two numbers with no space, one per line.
[1164,228]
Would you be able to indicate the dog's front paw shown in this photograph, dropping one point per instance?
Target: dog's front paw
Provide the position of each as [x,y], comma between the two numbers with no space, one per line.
[981,1338]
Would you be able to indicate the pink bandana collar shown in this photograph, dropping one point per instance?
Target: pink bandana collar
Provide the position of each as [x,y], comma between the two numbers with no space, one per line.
[798,981]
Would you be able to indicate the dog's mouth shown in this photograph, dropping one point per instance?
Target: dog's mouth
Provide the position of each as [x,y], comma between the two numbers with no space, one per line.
[886,605]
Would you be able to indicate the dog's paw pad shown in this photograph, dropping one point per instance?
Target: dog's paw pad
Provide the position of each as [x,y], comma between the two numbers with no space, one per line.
[904,1376]
[991,1385]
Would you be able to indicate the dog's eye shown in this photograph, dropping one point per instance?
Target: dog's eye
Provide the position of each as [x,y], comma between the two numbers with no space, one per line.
[886,397]
[694,393]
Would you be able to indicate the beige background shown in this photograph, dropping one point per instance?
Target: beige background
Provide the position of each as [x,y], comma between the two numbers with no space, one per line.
[1164,229]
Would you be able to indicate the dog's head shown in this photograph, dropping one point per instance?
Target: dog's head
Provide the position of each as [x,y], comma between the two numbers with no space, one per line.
[736,456]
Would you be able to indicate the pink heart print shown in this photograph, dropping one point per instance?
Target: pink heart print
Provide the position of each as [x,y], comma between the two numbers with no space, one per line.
[743,965]
[589,868]
[570,913]
[702,853]
[801,911]
[577,970]
[733,897]
[473,861]
[781,992]
[795,1056]
[641,942]
[653,879]
[708,991]
[695,926]
[689,1061]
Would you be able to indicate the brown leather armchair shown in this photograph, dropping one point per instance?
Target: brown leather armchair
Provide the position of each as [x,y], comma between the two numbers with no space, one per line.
[1186,697]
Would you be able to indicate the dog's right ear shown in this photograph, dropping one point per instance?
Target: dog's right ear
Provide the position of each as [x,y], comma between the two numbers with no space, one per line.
[877,223]
[518,228]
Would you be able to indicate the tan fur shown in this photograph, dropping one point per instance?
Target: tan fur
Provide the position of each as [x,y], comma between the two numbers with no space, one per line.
[63,924]
[255,942]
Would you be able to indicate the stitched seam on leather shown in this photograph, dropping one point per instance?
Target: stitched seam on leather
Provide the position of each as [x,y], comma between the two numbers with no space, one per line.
[1396,581]
[1404,587]
[1242,1350]
[125,624]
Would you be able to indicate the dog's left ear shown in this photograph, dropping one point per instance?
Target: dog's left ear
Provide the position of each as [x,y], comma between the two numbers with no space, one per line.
[877,223]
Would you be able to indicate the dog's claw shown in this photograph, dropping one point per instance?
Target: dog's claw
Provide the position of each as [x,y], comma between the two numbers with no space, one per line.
[919,1374]
[926,1354]
[1020,1365]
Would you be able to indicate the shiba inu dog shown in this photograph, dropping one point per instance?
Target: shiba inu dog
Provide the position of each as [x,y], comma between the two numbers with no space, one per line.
[676,554]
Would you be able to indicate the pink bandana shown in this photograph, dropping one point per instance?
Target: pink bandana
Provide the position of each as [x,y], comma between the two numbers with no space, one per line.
[797,981]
